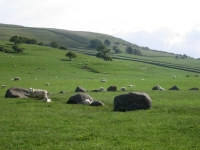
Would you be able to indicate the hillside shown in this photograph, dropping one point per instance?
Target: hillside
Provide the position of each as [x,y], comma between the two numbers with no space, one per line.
[71,38]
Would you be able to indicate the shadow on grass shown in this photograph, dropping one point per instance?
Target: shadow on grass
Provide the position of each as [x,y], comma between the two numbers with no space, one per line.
[65,60]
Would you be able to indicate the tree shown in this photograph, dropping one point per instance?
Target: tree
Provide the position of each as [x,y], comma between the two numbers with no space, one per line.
[102,52]
[107,42]
[117,51]
[63,48]
[53,44]
[15,39]
[17,49]
[71,55]
[129,50]
[95,43]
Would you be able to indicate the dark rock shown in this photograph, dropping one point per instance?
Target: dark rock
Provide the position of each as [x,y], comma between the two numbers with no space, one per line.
[62,92]
[155,88]
[174,88]
[80,89]
[132,101]
[194,88]
[17,92]
[79,98]
[97,103]
[112,88]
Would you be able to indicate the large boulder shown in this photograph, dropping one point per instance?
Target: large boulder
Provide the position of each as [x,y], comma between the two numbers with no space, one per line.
[17,92]
[132,101]
[80,99]
[174,88]
[194,88]
[80,89]
[112,88]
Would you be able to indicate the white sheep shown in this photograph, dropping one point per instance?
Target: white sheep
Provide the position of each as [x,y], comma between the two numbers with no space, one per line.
[123,88]
[38,93]
[131,85]
[174,77]
[3,86]
[87,102]
[103,80]
[47,84]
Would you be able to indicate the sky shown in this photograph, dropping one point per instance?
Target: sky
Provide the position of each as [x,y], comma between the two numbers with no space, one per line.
[167,25]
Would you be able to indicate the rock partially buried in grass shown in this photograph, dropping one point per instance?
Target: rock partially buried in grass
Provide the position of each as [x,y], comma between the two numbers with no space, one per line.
[194,88]
[132,101]
[97,103]
[112,88]
[17,92]
[174,88]
[80,89]
[80,99]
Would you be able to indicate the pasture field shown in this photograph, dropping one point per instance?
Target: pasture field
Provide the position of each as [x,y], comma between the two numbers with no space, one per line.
[172,123]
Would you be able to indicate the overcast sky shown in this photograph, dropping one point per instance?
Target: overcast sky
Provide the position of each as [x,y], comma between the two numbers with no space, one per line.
[167,25]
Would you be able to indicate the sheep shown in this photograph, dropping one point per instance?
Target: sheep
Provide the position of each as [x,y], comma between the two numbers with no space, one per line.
[47,84]
[87,102]
[14,65]
[174,77]
[123,88]
[160,88]
[131,85]
[3,86]
[38,93]
[17,78]
[103,80]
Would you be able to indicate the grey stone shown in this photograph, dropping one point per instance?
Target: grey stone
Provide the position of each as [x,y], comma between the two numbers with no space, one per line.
[17,92]
[132,101]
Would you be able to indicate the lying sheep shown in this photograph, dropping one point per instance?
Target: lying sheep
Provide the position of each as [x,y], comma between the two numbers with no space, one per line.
[3,86]
[131,85]
[123,88]
[38,93]
[103,80]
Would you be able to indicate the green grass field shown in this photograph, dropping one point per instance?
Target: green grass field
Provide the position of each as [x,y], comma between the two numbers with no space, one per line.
[172,122]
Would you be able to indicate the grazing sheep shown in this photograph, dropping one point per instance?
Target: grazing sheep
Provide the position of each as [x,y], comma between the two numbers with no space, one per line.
[38,93]
[17,78]
[47,84]
[131,85]
[123,88]
[174,77]
[160,88]
[3,86]
[103,80]
[87,102]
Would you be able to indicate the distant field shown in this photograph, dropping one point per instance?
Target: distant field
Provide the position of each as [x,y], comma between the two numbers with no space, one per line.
[171,123]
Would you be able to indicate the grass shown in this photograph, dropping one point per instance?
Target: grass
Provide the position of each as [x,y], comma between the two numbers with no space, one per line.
[171,123]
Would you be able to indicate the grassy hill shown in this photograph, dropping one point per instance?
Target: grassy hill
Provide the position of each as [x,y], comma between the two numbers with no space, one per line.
[171,123]
[70,39]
